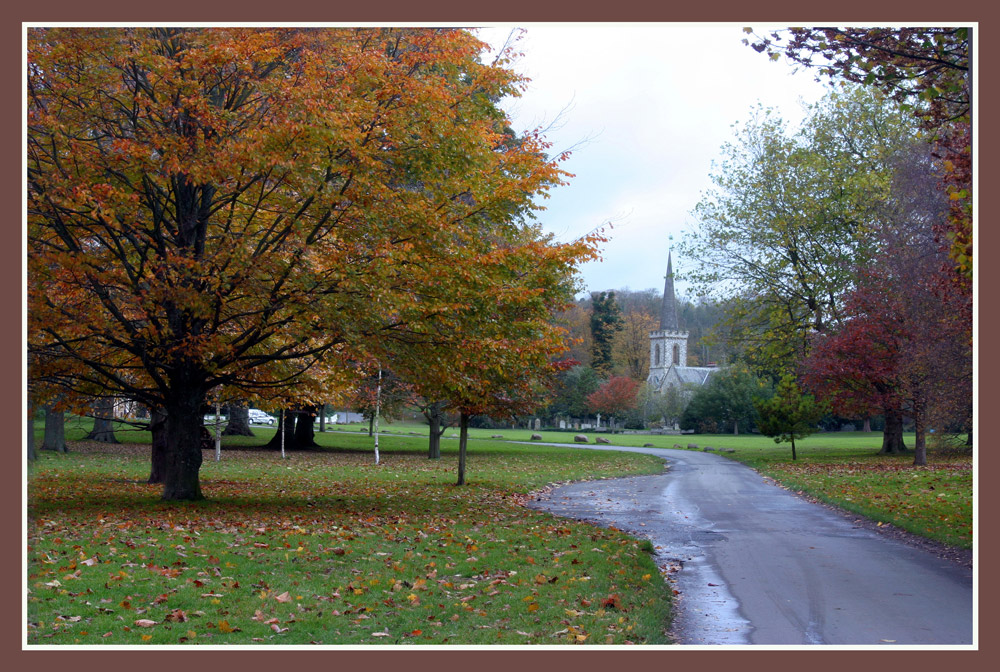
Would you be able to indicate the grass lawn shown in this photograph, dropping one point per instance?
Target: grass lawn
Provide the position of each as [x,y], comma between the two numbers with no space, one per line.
[326,547]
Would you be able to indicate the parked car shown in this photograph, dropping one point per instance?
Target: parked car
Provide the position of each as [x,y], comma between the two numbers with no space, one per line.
[260,417]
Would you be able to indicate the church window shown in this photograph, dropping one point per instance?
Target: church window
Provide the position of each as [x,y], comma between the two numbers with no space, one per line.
[677,355]
[657,351]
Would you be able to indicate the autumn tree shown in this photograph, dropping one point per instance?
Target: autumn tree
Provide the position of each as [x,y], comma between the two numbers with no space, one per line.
[789,414]
[238,208]
[904,349]
[630,344]
[616,397]
[903,352]
[497,351]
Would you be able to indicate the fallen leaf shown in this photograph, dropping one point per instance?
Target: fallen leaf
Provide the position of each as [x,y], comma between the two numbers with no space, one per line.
[145,623]
[176,616]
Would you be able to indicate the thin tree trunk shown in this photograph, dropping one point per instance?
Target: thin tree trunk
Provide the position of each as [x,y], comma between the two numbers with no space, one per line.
[239,421]
[286,427]
[55,430]
[892,435]
[736,427]
[463,439]
[104,429]
[793,448]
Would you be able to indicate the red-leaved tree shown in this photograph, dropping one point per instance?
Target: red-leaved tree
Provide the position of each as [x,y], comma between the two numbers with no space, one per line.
[615,397]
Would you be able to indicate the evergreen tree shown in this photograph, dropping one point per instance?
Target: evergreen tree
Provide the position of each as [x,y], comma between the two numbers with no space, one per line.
[789,414]
[605,321]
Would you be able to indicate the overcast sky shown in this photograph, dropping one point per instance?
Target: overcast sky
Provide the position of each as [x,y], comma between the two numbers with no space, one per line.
[650,105]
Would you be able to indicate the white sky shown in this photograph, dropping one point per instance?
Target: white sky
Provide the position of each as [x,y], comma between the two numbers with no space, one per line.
[653,104]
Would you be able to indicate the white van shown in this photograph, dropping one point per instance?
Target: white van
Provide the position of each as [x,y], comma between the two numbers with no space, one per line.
[259,417]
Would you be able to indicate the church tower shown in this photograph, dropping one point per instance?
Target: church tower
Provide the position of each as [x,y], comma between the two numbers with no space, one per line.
[668,344]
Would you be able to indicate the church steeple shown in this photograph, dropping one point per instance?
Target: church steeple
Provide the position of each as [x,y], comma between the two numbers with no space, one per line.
[668,313]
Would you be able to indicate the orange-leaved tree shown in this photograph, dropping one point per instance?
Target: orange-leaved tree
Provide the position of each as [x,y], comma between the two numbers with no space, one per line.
[495,350]
[240,208]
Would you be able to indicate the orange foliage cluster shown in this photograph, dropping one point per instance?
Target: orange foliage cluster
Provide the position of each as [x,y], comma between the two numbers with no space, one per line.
[258,210]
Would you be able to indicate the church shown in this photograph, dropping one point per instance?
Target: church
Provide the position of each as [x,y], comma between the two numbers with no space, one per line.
[668,347]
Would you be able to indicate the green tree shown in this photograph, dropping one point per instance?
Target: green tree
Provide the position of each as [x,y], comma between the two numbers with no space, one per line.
[789,213]
[726,400]
[605,321]
[928,70]
[789,414]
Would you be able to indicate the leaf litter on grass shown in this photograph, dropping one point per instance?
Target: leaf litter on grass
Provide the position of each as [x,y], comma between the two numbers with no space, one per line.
[331,551]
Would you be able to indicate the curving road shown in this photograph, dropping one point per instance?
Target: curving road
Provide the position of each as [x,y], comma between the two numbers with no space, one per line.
[761,565]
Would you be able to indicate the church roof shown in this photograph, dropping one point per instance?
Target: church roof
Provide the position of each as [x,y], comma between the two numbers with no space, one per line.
[668,312]
[694,374]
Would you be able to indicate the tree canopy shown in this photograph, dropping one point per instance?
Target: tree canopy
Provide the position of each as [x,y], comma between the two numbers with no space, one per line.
[791,212]
[245,208]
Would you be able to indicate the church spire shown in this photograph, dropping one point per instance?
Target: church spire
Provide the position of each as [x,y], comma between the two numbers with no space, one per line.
[668,313]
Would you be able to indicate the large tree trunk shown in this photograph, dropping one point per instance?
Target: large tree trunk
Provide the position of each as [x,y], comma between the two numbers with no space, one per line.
[892,435]
[104,430]
[920,445]
[55,430]
[286,426]
[463,440]
[434,437]
[868,425]
[305,433]
[158,455]
[183,434]
[433,415]
[30,435]
[239,421]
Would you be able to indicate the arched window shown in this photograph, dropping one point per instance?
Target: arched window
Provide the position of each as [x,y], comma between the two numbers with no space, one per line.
[677,355]
[657,351]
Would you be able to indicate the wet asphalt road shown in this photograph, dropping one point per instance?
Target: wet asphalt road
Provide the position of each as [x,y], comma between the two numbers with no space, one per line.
[764,566]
